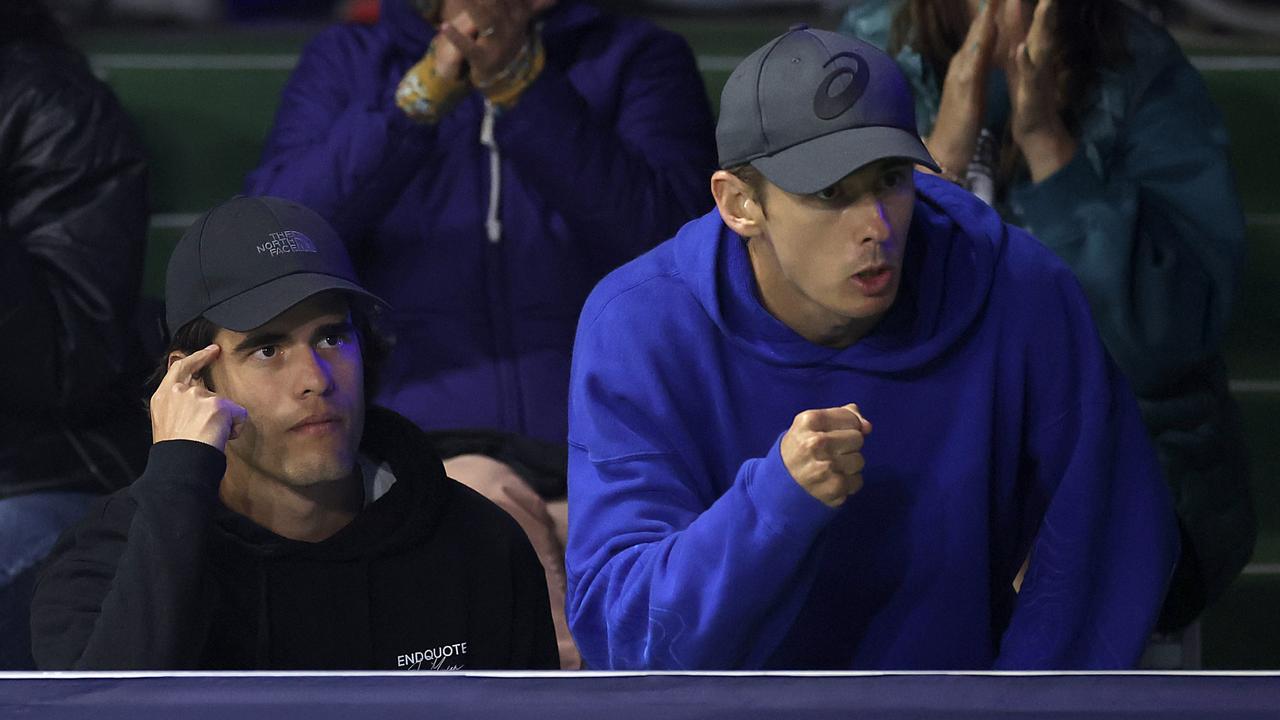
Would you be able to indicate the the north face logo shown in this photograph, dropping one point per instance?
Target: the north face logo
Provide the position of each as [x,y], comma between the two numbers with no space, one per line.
[286,241]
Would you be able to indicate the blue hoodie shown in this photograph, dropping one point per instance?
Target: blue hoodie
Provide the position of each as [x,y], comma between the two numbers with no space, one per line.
[603,157]
[1001,429]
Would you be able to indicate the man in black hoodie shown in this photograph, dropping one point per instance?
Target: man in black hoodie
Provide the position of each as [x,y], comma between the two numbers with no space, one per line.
[277,525]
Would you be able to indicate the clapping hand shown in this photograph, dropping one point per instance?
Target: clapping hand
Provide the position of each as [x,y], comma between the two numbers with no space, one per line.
[1036,123]
[964,91]
[488,35]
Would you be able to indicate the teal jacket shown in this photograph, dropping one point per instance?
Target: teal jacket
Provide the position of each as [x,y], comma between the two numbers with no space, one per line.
[1147,216]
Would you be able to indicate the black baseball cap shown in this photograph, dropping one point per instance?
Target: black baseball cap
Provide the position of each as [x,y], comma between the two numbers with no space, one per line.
[812,106]
[250,259]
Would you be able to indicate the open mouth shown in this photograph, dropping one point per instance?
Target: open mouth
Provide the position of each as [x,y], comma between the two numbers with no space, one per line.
[874,280]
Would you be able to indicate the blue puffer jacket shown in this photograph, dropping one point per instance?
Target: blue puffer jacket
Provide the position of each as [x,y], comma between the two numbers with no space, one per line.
[1147,216]
[485,249]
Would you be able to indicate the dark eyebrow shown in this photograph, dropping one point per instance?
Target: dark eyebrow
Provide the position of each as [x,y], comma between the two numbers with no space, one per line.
[345,327]
[263,339]
[258,340]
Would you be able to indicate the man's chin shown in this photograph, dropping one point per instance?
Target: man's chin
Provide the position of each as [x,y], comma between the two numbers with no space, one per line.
[310,474]
[321,459]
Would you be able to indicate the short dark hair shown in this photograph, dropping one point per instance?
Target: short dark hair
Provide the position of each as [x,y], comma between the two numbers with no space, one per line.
[375,344]
[754,179]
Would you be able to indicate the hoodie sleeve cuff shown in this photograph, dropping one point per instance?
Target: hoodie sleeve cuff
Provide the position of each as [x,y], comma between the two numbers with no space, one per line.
[783,505]
[182,465]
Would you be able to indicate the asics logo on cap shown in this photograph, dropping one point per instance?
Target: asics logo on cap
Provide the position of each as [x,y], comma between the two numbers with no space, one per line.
[827,106]
[286,241]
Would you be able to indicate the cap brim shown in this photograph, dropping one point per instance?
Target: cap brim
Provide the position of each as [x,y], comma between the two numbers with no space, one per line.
[256,307]
[821,162]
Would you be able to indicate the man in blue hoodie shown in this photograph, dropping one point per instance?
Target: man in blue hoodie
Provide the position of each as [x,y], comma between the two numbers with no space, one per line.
[850,419]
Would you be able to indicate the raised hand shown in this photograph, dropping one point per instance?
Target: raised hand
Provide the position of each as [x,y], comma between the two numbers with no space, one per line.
[182,408]
[822,451]
[964,96]
[489,34]
[448,59]
[1036,123]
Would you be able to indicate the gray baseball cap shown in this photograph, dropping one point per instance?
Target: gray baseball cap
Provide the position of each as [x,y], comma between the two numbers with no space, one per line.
[812,106]
[250,259]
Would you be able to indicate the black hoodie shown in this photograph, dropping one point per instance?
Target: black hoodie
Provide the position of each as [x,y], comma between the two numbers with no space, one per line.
[161,575]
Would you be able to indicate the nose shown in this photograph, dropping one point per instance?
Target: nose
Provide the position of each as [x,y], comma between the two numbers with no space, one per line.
[869,221]
[313,375]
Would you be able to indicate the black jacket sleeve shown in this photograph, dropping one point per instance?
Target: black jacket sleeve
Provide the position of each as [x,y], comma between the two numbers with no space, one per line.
[123,589]
[73,214]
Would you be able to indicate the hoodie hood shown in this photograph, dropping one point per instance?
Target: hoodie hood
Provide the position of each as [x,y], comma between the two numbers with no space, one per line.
[412,34]
[948,274]
[408,511]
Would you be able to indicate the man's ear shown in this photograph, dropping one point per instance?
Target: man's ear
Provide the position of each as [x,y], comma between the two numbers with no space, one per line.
[174,357]
[739,207]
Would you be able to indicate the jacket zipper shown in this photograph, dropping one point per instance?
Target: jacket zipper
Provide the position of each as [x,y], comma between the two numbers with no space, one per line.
[508,378]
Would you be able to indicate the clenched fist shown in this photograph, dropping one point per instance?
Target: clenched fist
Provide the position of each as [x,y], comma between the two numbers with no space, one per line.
[823,452]
[182,408]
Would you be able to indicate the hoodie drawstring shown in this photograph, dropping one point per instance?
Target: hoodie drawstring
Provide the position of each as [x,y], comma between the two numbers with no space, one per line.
[492,225]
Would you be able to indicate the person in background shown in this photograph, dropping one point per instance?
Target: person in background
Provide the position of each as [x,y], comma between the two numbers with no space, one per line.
[1084,123]
[73,221]
[851,419]
[487,162]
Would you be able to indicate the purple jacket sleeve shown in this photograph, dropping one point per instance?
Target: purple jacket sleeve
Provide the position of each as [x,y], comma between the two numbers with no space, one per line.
[343,156]
[622,186]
